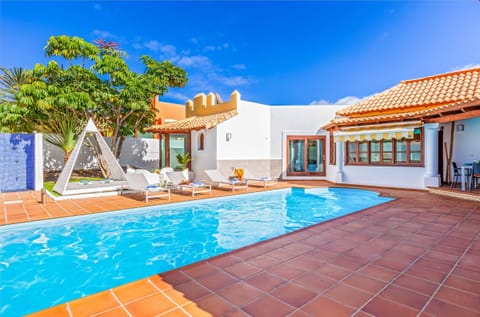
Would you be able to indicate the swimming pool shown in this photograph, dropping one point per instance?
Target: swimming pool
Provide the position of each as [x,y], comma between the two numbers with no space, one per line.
[46,263]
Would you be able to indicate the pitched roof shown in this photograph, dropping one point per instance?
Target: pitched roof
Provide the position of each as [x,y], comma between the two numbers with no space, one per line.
[424,98]
[193,123]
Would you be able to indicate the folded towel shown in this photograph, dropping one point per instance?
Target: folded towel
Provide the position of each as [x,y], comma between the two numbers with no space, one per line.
[152,186]
[197,184]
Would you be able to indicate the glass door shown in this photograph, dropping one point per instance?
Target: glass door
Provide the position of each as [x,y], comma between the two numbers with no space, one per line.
[306,156]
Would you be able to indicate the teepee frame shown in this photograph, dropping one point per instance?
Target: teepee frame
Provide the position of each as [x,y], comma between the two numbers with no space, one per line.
[118,178]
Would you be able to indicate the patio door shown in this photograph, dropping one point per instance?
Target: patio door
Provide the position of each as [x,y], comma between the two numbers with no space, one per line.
[306,156]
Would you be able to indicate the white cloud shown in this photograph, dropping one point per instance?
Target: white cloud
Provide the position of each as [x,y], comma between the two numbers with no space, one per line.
[233,81]
[468,66]
[103,34]
[197,61]
[320,102]
[177,96]
[349,100]
[216,48]
[97,6]
[239,66]
[194,40]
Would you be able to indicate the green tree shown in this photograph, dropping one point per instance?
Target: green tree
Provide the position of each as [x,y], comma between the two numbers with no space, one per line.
[98,83]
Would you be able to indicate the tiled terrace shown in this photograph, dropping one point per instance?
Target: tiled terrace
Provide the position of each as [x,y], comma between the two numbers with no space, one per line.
[418,255]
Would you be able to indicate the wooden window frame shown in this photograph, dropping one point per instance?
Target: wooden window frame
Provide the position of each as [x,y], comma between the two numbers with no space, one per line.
[394,153]
[333,151]
[306,138]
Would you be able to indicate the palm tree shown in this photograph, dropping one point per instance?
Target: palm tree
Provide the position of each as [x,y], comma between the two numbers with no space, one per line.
[12,114]
[64,134]
[10,82]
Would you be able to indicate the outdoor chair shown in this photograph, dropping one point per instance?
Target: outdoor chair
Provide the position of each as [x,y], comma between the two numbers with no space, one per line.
[221,181]
[180,181]
[457,174]
[262,180]
[138,182]
[475,175]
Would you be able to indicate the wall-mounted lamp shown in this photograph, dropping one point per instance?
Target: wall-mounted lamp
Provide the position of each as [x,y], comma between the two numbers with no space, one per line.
[228,136]
[460,127]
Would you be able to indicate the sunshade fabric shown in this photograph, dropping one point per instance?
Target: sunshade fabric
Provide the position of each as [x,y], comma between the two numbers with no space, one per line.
[375,134]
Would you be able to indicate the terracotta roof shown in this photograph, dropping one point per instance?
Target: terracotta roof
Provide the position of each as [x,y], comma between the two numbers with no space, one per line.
[421,94]
[193,123]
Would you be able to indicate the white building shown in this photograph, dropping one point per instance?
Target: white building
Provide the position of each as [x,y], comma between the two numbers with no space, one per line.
[397,138]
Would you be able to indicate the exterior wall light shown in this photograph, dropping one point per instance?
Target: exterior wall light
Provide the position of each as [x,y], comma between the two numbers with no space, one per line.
[228,136]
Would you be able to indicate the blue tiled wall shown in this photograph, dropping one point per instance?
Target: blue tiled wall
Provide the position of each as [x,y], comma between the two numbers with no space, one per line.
[17,162]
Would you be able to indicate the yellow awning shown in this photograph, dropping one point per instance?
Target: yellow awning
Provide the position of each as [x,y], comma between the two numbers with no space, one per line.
[376,133]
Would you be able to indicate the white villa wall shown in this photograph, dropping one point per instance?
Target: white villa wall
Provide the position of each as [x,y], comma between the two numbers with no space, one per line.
[402,177]
[207,158]
[141,153]
[300,120]
[466,144]
[250,134]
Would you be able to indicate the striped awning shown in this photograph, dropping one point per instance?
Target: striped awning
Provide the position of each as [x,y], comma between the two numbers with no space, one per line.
[376,133]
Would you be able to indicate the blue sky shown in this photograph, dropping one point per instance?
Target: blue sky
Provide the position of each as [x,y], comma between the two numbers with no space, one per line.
[272,52]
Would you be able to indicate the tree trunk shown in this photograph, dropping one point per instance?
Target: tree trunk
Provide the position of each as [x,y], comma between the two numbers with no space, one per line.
[119,147]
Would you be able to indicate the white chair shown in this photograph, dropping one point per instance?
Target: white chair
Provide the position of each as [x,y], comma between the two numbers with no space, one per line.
[219,179]
[138,182]
[179,181]
[263,180]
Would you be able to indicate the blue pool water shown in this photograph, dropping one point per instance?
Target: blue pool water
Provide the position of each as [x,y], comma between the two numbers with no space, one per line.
[46,263]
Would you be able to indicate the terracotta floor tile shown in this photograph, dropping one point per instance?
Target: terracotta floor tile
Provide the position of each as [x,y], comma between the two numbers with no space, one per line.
[378,273]
[196,311]
[286,271]
[463,299]
[174,277]
[175,313]
[265,281]
[240,293]
[115,312]
[93,304]
[150,306]
[348,295]
[467,273]
[159,283]
[216,280]
[242,269]
[306,263]
[365,283]
[463,284]
[424,273]
[263,261]
[215,305]
[314,282]
[416,284]
[192,290]
[223,261]
[268,306]
[237,313]
[380,306]
[199,269]
[333,271]
[325,307]
[293,294]
[405,297]
[134,290]
[440,308]
[177,296]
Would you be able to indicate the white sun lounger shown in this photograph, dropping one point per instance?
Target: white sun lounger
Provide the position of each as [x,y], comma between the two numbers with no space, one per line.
[263,180]
[218,179]
[138,182]
[179,181]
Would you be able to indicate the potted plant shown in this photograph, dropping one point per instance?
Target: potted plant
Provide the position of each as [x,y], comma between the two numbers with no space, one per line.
[183,160]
